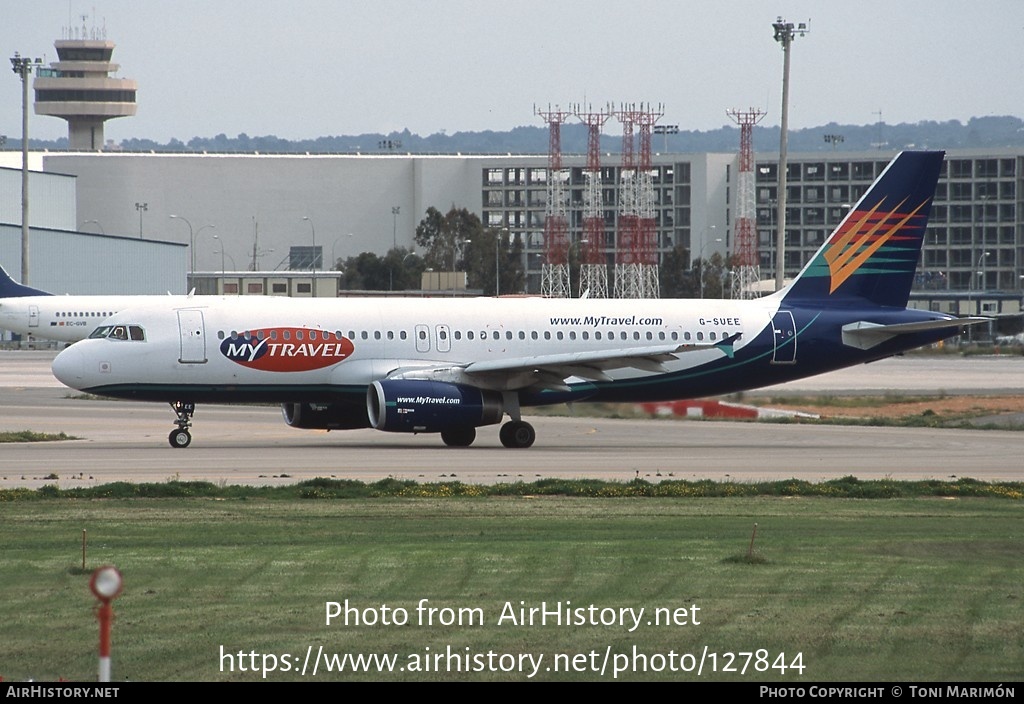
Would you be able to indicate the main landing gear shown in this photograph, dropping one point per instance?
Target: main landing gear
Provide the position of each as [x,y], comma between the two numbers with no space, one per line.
[517,433]
[180,437]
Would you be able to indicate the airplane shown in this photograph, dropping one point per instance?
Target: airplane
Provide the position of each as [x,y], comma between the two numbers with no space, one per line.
[450,366]
[30,311]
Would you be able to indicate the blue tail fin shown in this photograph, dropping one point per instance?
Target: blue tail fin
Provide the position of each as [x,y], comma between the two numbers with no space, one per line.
[873,253]
[9,288]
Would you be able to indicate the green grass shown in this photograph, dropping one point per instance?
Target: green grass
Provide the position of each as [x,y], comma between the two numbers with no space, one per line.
[32,436]
[921,589]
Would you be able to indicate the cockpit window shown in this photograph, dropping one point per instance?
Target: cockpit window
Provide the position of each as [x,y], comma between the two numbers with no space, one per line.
[119,332]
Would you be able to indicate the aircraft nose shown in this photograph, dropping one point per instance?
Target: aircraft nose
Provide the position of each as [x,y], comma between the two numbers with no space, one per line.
[68,367]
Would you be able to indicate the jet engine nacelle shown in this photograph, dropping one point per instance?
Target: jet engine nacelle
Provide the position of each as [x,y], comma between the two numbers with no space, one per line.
[325,416]
[418,406]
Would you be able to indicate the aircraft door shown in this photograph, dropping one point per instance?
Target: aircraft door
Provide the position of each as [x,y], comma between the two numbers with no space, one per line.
[422,333]
[444,338]
[193,337]
[33,316]
[784,328]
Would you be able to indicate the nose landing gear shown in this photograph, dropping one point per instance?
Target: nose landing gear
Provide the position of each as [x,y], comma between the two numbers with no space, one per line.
[180,437]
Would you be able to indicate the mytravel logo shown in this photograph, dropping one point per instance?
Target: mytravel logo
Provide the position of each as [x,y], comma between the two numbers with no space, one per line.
[862,235]
[287,349]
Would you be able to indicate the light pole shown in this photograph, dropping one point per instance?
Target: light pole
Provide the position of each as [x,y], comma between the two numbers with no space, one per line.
[223,270]
[312,254]
[395,209]
[703,243]
[983,273]
[455,244]
[785,33]
[191,240]
[199,232]
[497,267]
[334,260]
[141,207]
[22,65]
[834,140]
[977,306]
[665,130]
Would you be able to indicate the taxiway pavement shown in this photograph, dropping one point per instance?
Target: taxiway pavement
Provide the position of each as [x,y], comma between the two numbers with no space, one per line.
[122,440]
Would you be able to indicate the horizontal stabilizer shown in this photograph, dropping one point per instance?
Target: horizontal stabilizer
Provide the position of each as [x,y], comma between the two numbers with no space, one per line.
[864,335]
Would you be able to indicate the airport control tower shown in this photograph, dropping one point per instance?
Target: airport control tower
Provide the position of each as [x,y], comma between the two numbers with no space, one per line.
[80,89]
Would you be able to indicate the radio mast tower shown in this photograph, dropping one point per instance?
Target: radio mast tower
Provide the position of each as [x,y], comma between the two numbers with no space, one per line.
[627,275]
[636,263]
[554,273]
[647,235]
[747,263]
[594,268]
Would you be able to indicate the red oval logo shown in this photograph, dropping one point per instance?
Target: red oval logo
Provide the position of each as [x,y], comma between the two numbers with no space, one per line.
[286,349]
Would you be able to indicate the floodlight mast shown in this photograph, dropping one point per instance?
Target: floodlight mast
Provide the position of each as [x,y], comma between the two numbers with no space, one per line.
[23,67]
[785,33]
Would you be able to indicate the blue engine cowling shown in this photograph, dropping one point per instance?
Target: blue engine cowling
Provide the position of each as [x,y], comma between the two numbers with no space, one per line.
[416,406]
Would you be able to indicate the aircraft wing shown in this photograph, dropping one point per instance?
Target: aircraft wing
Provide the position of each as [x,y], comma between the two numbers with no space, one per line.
[551,370]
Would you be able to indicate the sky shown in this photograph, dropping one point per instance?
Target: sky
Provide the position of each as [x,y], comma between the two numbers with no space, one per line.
[310,68]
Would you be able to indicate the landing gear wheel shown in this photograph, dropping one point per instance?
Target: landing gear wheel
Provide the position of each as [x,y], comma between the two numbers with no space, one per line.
[180,438]
[458,437]
[517,433]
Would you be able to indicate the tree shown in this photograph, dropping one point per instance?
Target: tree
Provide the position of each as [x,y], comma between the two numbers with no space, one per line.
[676,278]
[705,278]
[398,270]
[715,278]
[444,237]
[489,253]
[404,268]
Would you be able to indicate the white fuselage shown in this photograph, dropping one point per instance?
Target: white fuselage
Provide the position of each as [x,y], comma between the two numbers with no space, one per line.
[265,342]
[65,318]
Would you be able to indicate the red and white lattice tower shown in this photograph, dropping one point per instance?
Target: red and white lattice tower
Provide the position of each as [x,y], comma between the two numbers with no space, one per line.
[636,262]
[554,272]
[627,251]
[746,261]
[647,245]
[594,267]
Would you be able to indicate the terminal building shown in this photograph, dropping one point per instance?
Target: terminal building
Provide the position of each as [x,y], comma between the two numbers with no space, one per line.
[252,211]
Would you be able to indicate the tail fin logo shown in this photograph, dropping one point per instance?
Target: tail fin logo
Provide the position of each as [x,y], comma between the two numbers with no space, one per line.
[863,234]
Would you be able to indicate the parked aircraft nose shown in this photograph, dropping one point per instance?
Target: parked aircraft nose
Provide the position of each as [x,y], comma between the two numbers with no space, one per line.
[68,367]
